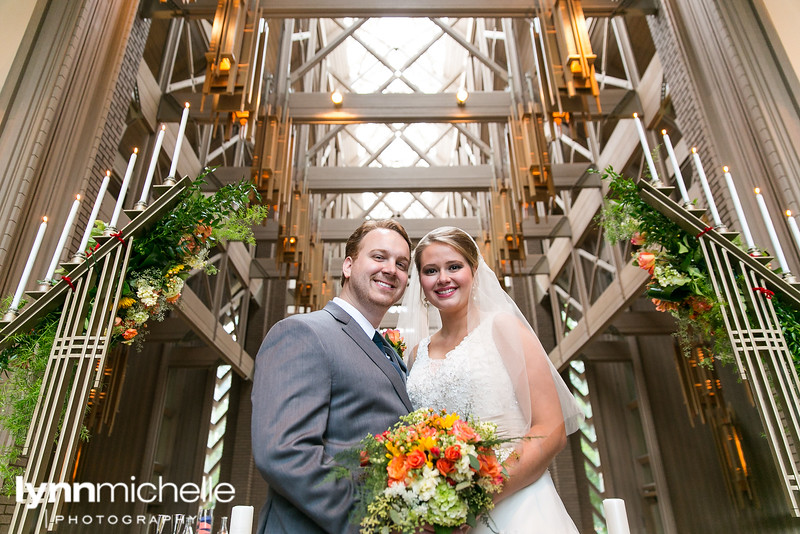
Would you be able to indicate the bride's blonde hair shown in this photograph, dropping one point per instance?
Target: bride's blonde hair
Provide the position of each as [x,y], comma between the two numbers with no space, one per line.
[451,236]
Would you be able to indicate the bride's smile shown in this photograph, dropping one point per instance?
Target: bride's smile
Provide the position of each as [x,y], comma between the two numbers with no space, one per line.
[446,277]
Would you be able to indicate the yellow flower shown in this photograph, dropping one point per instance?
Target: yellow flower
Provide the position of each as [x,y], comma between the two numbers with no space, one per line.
[175,270]
[427,443]
[391,448]
[126,302]
[448,421]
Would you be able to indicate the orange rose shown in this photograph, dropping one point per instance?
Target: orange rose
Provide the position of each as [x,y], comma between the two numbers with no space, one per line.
[364,458]
[665,305]
[393,336]
[397,469]
[117,321]
[637,239]
[490,467]
[130,333]
[445,467]
[453,452]
[173,300]
[463,431]
[647,261]
[435,451]
[416,459]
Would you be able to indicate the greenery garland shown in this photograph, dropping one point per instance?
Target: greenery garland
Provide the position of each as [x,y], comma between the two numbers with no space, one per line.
[162,259]
[24,362]
[680,282]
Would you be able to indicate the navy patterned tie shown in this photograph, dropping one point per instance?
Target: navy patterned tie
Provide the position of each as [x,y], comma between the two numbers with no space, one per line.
[389,353]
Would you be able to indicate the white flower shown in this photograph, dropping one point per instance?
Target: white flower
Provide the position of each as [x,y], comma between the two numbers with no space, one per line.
[147,295]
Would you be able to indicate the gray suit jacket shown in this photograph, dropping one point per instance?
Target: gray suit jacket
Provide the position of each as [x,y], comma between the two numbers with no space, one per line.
[320,386]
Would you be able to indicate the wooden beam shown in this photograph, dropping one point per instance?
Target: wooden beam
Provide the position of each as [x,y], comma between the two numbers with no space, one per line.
[567,176]
[548,228]
[317,108]
[608,351]
[626,288]
[207,328]
[340,229]
[643,323]
[388,179]
[410,8]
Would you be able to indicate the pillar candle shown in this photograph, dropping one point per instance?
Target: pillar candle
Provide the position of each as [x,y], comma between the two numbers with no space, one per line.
[181,129]
[87,233]
[676,168]
[126,181]
[153,163]
[63,239]
[712,206]
[646,148]
[773,236]
[241,520]
[26,273]
[616,518]
[737,204]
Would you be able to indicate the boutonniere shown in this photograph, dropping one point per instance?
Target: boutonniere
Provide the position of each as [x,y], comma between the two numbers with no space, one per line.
[393,338]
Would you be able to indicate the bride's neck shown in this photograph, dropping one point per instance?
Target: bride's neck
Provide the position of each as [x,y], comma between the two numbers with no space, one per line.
[454,326]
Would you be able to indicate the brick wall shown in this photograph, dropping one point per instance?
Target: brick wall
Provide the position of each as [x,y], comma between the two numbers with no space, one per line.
[115,123]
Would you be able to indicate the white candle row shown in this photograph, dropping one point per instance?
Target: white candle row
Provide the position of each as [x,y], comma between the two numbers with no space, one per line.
[737,205]
[142,203]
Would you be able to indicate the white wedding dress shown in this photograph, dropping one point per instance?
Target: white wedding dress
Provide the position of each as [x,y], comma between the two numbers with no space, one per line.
[472,380]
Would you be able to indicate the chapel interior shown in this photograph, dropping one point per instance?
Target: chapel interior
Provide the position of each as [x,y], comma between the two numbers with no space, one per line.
[496,117]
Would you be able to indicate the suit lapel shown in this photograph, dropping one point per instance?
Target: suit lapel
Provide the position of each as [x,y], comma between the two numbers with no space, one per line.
[355,332]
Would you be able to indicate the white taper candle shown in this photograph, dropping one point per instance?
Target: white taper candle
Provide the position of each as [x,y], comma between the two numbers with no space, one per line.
[737,205]
[793,228]
[646,148]
[773,236]
[126,181]
[87,233]
[62,240]
[676,168]
[712,206]
[26,273]
[181,129]
[151,170]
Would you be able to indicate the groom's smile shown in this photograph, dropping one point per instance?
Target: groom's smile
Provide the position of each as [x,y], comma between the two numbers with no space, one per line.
[377,276]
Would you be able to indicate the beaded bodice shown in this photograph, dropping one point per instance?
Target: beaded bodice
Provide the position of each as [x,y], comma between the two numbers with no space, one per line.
[470,380]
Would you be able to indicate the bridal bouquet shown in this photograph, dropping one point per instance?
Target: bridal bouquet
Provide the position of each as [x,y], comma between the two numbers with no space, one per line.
[430,468]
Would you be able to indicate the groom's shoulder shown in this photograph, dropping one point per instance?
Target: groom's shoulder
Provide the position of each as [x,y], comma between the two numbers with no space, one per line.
[318,318]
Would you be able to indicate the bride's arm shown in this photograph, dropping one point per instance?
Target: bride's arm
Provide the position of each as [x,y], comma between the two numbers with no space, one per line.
[412,357]
[547,436]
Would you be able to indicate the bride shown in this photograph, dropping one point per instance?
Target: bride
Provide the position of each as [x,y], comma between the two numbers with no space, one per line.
[485,360]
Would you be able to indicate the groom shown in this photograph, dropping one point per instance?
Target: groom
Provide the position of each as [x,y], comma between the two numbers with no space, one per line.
[322,383]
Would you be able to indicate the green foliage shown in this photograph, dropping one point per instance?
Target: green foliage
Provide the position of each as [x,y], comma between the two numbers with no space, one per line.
[196,221]
[679,281]
[24,361]
[790,325]
[161,260]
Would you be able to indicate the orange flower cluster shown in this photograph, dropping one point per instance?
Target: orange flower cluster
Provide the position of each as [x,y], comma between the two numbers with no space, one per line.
[437,442]
[430,468]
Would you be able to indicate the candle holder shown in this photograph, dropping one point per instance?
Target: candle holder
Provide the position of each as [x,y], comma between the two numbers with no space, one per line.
[45,285]
[77,258]
[789,277]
